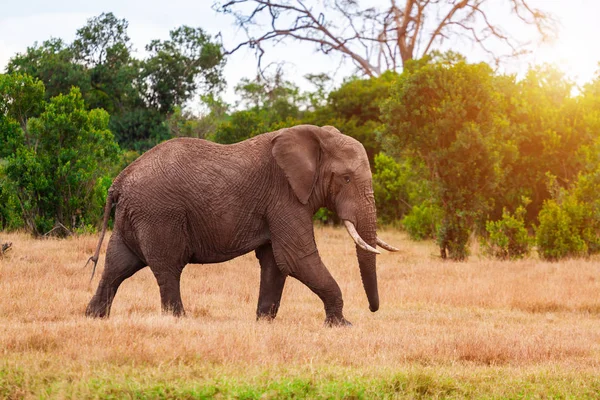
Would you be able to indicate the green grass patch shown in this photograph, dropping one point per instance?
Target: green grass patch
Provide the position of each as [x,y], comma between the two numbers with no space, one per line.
[193,382]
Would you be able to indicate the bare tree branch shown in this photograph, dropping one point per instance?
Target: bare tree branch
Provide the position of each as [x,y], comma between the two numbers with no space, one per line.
[376,39]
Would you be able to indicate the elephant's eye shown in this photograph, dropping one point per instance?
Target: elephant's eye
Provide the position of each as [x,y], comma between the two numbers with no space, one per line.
[347,178]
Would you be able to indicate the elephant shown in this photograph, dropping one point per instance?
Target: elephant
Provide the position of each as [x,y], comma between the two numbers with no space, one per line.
[189,200]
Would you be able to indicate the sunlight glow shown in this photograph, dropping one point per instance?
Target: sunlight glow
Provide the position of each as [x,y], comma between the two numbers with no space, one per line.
[575,50]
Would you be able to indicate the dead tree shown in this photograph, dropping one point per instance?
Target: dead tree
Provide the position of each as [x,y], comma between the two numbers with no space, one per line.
[377,39]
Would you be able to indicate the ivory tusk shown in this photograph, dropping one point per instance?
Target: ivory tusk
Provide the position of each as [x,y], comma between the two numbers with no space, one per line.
[386,246]
[357,239]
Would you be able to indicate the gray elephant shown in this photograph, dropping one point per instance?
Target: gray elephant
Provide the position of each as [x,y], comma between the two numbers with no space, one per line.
[192,201]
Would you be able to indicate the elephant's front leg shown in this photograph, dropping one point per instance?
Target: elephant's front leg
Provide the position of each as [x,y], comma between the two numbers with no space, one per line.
[311,271]
[272,281]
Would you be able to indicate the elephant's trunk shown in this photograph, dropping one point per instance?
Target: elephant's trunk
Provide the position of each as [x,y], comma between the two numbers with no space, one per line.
[367,229]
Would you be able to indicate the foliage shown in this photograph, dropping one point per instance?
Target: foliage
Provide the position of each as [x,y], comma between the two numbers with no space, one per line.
[354,108]
[183,123]
[398,186]
[423,221]
[138,94]
[546,127]
[10,212]
[570,222]
[178,67]
[53,63]
[508,237]
[272,103]
[54,174]
[558,235]
[21,97]
[444,113]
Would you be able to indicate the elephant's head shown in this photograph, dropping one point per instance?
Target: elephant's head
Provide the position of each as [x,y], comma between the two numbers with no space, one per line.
[327,168]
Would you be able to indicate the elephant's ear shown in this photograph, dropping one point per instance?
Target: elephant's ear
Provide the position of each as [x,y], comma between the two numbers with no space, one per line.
[296,150]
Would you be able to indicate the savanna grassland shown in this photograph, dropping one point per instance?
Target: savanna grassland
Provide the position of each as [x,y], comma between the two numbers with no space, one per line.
[481,328]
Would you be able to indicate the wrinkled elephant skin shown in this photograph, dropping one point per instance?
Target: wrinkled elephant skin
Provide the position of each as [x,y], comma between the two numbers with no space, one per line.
[192,201]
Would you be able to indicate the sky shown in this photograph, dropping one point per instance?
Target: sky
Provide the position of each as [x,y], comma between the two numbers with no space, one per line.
[22,23]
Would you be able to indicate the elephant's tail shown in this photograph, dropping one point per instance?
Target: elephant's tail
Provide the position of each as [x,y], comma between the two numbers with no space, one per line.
[107,209]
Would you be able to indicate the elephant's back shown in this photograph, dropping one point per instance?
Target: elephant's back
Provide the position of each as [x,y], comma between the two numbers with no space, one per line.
[172,152]
[189,187]
[173,171]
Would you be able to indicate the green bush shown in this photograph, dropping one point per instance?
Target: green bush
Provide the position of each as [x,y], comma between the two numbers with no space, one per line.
[60,176]
[507,238]
[453,236]
[10,212]
[423,221]
[398,186]
[559,234]
[325,217]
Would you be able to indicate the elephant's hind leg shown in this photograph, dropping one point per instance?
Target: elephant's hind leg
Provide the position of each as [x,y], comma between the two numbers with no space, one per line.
[168,280]
[272,281]
[120,264]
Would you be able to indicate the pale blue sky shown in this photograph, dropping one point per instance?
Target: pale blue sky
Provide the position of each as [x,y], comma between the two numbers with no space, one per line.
[24,22]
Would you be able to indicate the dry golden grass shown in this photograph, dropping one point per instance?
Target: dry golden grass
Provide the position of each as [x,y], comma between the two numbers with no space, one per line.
[492,317]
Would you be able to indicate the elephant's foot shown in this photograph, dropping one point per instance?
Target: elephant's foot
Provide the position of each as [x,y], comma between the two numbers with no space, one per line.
[337,321]
[266,312]
[97,310]
[265,317]
[175,310]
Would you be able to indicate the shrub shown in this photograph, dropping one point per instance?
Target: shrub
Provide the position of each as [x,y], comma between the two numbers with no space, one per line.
[10,212]
[398,186]
[453,236]
[559,234]
[508,238]
[423,221]
[60,179]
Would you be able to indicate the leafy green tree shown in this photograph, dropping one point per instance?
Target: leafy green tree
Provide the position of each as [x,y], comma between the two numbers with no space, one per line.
[21,97]
[398,186]
[53,63]
[10,212]
[546,127]
[559,233]
[99,38]
[139,95]
[444,113]
[183,123]
[55,179]
[423,221]
[354,108]
[272,103]
[178,67]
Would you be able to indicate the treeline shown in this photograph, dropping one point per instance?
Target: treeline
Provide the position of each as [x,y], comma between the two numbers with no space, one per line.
[457,149]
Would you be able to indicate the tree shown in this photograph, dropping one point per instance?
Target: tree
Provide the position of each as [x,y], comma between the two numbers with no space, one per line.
[176,68]
[272,103]
[100,39]
[138,94]
[376,39]
[547,128]
[445,115]
[55,176]
[53,64]
[184,123]
[21,97]
[354,108]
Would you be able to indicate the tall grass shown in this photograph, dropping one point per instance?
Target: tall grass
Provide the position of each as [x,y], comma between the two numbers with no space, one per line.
[479,328]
